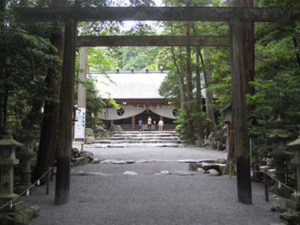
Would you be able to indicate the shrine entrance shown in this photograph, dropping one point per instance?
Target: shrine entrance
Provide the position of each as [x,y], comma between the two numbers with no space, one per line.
[234,17]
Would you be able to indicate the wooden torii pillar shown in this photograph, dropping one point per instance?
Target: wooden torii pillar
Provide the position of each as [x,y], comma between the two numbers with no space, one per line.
[231,15]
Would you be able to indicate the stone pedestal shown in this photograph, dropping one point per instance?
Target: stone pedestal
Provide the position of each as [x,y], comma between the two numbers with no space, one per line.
[25,170]
[26,155]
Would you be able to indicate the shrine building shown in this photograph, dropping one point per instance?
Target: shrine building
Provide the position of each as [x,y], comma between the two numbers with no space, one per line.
[137,94]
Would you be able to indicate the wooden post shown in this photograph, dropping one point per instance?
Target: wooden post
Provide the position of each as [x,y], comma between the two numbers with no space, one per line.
[228,135]
[51,174]
[133,123]
[48,180]
[239,115]
[83,53]
[266,187]
[62,189]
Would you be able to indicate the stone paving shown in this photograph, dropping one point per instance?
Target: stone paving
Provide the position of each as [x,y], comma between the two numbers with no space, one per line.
[152,186]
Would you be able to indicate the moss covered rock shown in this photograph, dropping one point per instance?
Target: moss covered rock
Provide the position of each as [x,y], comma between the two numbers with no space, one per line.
[89,132]
[115,128]
[101,133]
[6,219]
[291,217]
[87,155]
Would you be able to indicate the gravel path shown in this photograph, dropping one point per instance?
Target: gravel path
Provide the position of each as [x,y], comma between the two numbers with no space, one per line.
[140,194]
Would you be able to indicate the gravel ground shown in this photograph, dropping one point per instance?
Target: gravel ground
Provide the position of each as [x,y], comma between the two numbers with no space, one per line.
[102,194]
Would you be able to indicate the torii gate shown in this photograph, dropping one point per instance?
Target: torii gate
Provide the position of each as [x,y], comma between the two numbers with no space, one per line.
[232,15]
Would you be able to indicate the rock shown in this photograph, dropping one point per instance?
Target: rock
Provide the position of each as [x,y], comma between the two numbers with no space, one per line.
[220,161]
[96,161]
[279,209]
[119,162]
[207,166]
[292,204]
[216,166]
[132,173]
[21,218]
[165,172]
[75,151]
[6,219]
[101,133]
[80,161]
[89,132]
[82,173]
[87,154]
[184,173]
[89,140]
[213,172]
[32,211]
[194,166]
[291,216]
[200,170]
[115,128]
[187,161]
[216,140]
[98,174]
[36,210]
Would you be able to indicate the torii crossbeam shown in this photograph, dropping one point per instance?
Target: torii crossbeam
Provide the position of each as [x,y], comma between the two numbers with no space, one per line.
[232,15]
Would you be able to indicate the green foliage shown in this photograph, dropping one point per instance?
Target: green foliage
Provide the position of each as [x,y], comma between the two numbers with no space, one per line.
[98,60]
[276,83]
[94,104]
[25,60]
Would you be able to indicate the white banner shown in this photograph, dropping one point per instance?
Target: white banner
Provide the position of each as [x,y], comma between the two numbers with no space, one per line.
[79,128]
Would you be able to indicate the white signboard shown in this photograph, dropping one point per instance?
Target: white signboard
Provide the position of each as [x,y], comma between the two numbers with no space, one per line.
[79,128]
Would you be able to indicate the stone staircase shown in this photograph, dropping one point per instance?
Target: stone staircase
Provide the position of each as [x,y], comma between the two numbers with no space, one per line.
[127,139]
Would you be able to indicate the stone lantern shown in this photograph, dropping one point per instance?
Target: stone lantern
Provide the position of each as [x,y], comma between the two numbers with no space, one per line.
[7,161]
[26,155]
[295,202]
[279,138]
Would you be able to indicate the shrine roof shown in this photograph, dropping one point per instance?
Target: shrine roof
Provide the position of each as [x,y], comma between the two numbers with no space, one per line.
[128,85]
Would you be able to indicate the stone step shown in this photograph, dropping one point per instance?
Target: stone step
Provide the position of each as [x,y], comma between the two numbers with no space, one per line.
[147,132]
[126,139]
[133,145]
[136,141]
[144,135]
[142,138]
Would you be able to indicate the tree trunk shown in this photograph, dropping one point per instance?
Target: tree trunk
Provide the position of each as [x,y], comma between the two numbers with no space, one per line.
[296,45]
[181,79]
[48,138]
[209,93]
[231,161]
[198,90]
[2,59]
[3,6]
[189,86]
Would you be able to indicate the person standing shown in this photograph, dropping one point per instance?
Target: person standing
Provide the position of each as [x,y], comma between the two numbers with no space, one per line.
[160,125]
[149,123]
[140,123]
